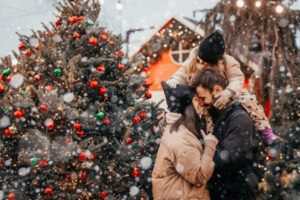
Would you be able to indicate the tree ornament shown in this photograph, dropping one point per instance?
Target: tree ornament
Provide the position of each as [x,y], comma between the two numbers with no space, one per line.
[103,37]
[93,41]
[2,88]
[2,78]
[121,53]
[11,196]
[21,46]
[53,32]
[83,175]
[76,35]
[50,125]
[121,66]
[69,176]
[58,22]
[136,120]
[103,194]
[34,161]
[80,133]
[18,114]
[43,163]
[57,72]
[110,42]
[143,115]
[6,73]
[93,84]
[116,56]
[100,115]
[7,132]
[148,95]
[81,18]
[89,22]
[105,98]
[102,90]
[82,156]
[77,126]
[136,102]
[147,84]
[48,190]
[43,108]
[93,156]
[37,47]
[101,68]
[136,173]
[9,78]
[23,93]
[73,19]
[128,140]
[106,121]
[104,33]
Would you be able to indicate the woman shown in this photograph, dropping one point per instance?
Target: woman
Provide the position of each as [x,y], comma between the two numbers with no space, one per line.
[182,168]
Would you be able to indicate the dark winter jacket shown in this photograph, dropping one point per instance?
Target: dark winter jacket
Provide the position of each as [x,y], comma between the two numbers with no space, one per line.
[235,176]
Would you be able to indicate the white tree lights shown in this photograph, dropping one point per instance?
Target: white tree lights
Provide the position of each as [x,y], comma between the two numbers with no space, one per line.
[258,3]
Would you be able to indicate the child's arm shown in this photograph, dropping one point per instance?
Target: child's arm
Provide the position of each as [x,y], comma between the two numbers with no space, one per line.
[180,77]
[236,80]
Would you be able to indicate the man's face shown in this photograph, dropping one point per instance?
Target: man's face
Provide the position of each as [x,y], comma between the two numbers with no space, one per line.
[205,97]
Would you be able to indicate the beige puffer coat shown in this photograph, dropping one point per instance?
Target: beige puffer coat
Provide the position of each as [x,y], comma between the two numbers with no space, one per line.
[182,168]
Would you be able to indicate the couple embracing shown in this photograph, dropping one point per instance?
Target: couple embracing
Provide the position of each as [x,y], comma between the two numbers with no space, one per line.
[214,159]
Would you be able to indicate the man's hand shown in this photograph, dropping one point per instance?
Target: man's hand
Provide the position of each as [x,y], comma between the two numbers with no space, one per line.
[222,99]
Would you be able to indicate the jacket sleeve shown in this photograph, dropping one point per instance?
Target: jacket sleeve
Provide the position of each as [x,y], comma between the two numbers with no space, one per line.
[238,144]
[194,167]
[236,77]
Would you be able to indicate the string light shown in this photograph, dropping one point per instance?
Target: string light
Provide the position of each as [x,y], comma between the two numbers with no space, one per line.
[240,3]
[279,9]
[258,4]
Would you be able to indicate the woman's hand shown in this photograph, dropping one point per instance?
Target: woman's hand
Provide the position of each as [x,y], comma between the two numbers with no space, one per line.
[209,137]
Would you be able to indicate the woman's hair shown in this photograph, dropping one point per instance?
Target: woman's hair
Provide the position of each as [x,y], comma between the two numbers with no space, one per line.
[191,120]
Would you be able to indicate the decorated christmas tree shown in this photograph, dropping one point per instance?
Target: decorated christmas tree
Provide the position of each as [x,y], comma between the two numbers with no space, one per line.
[264,33]
[75,119]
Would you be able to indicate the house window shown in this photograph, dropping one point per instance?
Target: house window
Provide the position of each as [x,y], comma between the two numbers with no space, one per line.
[179,54]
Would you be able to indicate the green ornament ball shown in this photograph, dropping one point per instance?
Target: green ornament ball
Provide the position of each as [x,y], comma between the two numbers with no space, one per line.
[34,161]
[5,110]
[89,22]
[57,72]
[100,115]
[6,72]
[136,102]
[23,93]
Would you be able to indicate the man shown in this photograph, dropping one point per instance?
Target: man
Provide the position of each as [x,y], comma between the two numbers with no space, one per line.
[234,176]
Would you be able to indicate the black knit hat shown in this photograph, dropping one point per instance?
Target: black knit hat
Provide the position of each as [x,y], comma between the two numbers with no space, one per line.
[178,98]
[212,48]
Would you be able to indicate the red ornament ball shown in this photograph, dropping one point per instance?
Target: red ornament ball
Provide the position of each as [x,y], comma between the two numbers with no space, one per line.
[116,56]
[68,176]
[104,33]
[148,83]
[101,68]
[76,35]
[103,195]
[21,46]
[73,19]
[93,156]
[37,78]
[83,175]
[93,84]
[102,90]
[37,47]
[80,133]
[7,132]
[136,120]
[2,88]
[103,37]
[11,196]
[28,53]
[48,190]
[81,18]
[136,173]
[143,115]
[148,95]
[128,140]
[82,156]
[111,42]
[58,22]
[76,126]
[43,108]
[121,53]
[93,41]
[121,66]
[50,125]
[106,121]
[105,98]
[18,114]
